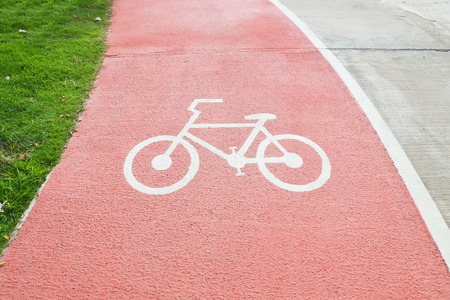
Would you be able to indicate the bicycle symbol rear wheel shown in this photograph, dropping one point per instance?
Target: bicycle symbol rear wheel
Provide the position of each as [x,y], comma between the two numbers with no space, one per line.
[315,184]
[160,162]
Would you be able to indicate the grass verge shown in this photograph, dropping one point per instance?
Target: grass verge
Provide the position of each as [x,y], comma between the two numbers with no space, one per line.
[50,52]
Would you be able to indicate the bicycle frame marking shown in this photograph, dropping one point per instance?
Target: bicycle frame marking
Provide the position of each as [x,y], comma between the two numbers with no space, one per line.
[235,159]
[257,128]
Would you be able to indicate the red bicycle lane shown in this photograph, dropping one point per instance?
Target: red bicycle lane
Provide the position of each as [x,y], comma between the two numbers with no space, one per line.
[93,233]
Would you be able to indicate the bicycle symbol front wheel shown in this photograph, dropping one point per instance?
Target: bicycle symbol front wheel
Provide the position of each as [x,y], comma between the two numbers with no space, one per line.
[160,162]
[293,160]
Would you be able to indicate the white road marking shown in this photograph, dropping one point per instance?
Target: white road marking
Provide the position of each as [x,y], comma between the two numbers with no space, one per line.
[428,209]
[235,160]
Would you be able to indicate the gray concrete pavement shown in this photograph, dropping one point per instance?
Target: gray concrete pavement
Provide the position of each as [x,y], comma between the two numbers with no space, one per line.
[399,52]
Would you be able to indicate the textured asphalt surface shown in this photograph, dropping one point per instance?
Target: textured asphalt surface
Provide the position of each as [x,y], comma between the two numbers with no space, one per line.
[120,218]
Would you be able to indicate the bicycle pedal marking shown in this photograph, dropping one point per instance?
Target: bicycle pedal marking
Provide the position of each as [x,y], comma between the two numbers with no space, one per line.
[236,159]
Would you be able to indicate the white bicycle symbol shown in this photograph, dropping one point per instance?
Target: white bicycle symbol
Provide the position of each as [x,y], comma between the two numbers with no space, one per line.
[235,160]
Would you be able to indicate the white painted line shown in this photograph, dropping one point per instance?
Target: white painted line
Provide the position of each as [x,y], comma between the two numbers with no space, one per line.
[430,213]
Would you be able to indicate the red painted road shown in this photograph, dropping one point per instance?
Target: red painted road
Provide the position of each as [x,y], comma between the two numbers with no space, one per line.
[93,235]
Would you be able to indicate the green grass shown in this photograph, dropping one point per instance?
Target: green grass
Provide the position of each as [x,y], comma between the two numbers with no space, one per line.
[46,74]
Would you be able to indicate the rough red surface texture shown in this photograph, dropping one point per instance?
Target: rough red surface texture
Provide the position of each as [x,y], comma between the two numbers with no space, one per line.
[222,236]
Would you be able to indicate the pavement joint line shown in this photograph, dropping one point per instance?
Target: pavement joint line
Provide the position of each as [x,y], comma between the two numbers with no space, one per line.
[233,51]
[432,217]
[269,50]
[387,49]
